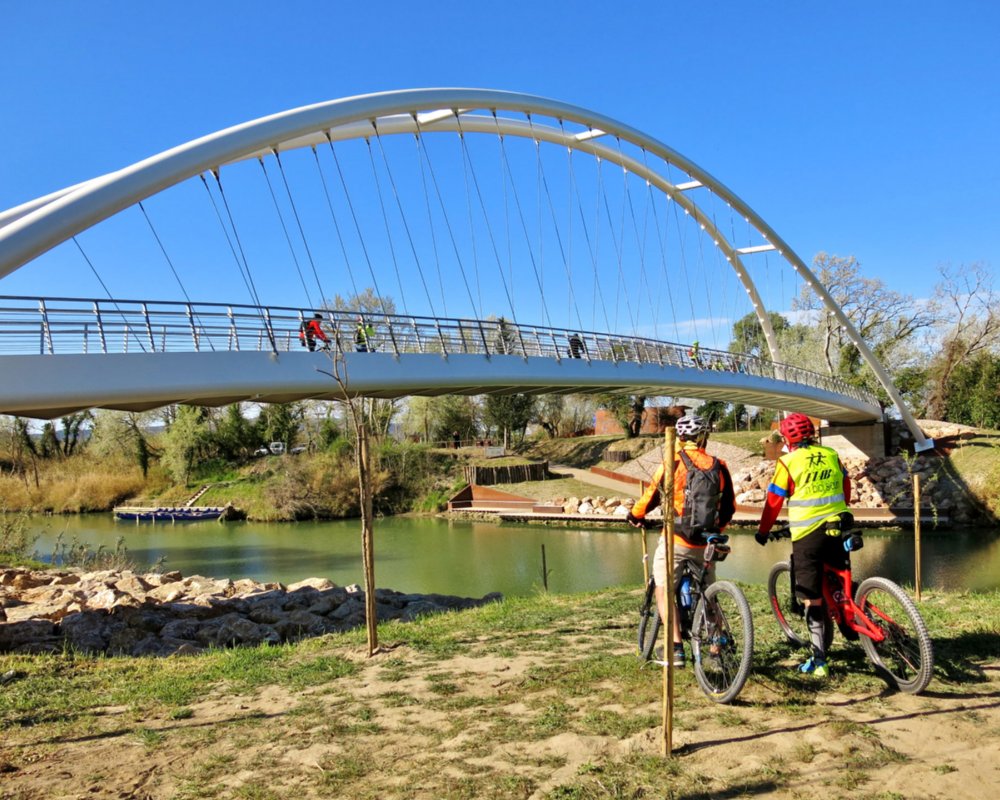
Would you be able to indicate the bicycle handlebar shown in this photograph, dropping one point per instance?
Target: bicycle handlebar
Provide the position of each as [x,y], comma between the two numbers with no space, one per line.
[780,532]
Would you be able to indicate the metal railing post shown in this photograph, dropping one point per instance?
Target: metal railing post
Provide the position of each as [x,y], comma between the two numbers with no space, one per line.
[100,328]
[444,346]
[149,328]
[46,330]
[194,330]
[234,334]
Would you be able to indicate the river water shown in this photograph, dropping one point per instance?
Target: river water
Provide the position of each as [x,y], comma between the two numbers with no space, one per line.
[431,555]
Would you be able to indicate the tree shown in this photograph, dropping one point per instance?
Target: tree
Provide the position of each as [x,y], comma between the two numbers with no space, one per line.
[280,422]
[885,319]
[453,413]
[748,334]
[508,413]
[626,409]
[122,434]
[966,305]
[236,437]
[187,441]
[974,392]
[549,409]
[72,425]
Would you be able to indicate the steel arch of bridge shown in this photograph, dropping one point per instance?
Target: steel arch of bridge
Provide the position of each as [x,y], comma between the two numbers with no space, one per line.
[30,229]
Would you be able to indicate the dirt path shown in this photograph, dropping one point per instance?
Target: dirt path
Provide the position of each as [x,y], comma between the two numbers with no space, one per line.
[561,712]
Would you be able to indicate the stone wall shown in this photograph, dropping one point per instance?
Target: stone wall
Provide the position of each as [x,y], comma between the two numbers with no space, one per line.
[165,614]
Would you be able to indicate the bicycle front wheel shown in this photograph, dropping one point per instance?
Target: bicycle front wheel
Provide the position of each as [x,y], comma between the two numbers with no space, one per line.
[649,623]
[905,656]
[722,641]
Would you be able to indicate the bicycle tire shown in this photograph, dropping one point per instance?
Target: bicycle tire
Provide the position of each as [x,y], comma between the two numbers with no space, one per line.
[791,617]
[905,658]
[722,641]
[649,623]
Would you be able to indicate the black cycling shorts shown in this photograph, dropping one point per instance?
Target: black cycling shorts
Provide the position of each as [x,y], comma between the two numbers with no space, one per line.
[809,554]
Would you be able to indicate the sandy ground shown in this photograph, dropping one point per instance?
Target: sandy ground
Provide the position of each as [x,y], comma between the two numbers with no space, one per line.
[278,742]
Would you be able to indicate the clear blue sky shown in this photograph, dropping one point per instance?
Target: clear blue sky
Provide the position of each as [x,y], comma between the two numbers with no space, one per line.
[867,129]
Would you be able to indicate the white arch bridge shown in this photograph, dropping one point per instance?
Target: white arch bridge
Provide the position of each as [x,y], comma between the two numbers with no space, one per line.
[658,212]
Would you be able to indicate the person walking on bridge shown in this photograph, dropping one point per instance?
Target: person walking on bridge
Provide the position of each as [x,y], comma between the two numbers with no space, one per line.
[311,330]
[818,491]
[703,502]
[364,336]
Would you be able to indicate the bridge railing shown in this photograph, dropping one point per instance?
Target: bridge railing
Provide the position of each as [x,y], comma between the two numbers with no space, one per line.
[49,326]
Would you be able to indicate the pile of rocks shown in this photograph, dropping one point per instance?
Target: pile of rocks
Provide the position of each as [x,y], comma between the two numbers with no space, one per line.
[164,614]
[598,506]
[878,483]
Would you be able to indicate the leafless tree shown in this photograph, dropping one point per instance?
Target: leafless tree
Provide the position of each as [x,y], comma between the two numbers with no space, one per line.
[966,304]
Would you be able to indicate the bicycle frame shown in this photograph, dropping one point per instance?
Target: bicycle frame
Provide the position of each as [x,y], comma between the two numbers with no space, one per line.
[839,599]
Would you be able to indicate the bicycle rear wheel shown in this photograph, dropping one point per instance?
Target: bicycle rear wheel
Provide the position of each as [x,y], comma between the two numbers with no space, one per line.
[789,611]
[722,641]
[649,623]
[905,657]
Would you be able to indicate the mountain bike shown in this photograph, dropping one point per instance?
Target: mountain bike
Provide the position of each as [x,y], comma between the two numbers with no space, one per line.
[715,619]
[877,612]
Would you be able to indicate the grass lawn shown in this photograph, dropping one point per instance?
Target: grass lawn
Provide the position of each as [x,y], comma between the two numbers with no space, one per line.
[539,696]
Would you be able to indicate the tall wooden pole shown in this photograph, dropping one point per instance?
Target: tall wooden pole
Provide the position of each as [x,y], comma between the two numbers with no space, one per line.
[367,537]
[916,533]
[645,549]
[667,538]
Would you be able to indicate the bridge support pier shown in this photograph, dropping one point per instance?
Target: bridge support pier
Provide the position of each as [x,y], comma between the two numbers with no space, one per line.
[863,439]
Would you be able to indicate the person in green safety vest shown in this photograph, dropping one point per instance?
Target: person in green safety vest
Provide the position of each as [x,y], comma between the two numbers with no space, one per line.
[817,489]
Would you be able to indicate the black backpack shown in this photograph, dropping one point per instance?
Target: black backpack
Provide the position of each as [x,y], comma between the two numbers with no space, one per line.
[702,495]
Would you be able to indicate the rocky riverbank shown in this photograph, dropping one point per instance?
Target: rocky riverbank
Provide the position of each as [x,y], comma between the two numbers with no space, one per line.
[124,613]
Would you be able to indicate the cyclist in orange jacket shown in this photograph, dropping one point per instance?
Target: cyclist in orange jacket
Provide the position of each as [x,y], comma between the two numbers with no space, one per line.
[703,503]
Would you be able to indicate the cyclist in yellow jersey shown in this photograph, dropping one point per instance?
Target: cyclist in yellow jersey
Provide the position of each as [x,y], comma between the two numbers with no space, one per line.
[817,489]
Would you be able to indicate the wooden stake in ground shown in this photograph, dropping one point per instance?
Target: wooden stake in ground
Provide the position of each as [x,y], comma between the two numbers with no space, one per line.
[360,417]
[667,538]
[367,534]
[916,534]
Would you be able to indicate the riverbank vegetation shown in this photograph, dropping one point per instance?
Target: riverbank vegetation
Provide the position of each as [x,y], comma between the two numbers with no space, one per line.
[538,696]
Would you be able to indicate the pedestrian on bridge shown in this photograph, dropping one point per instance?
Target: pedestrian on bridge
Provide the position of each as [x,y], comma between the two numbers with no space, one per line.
[577,349]
[310,330]
[364,337]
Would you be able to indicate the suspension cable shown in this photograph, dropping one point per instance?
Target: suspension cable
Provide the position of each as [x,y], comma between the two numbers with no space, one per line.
[284,230]
[104,286]
[430,215]
[639,243]
[336,224]
[298,222]
[388,227]
[591,249]
[555,226]
[681,235]
[245,268]
[402,216]
[170,263]
[524,224]
[357,225]
[486,218]
[662,238]
[447,221]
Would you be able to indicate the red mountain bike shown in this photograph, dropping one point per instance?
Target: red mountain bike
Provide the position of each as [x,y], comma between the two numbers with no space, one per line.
[880,615]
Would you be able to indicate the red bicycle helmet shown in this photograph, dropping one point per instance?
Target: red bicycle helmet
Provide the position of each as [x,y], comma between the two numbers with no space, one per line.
[796,428]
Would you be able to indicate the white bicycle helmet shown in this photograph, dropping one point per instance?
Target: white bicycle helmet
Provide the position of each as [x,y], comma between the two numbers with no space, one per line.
[691,426]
